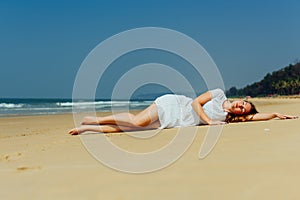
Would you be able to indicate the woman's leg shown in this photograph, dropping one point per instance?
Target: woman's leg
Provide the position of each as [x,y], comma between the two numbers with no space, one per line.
[99,128]
[110,128]
[142,119]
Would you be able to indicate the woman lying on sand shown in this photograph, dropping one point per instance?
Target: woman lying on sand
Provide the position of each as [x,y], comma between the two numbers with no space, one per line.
[170,110]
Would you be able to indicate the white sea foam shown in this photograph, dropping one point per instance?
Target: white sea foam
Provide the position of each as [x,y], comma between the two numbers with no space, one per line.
[104,103]
[83,103]
[11,105]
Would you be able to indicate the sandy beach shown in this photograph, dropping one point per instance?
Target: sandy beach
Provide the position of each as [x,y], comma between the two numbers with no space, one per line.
[254,160]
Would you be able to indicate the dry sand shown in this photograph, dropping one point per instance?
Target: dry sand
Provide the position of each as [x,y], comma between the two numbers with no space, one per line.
[254,160]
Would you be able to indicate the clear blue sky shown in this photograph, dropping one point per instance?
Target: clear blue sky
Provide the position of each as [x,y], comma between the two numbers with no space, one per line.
[43,43]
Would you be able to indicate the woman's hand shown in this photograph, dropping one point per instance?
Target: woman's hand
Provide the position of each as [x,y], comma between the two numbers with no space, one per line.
[215,122]
[282,116]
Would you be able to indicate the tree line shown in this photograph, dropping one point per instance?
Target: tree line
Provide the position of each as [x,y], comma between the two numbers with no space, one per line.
[285,81]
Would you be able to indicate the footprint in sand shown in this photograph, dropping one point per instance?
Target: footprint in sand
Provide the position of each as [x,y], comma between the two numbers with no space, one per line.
[11,157]
[26,168]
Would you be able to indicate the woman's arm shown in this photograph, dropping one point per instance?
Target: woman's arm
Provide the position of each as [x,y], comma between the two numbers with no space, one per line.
[268,116]
[197,106]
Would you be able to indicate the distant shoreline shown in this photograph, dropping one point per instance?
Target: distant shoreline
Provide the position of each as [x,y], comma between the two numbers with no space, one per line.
[270,97]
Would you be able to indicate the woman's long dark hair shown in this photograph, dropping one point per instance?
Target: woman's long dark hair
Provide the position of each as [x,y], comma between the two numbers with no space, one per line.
[230,118]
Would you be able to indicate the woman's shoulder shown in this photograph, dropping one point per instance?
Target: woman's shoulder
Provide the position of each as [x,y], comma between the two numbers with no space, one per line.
[177,97]
[217,92]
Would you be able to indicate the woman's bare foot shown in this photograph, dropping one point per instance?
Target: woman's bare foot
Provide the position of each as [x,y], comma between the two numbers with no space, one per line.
[92,128]
[77,131]
[90,121]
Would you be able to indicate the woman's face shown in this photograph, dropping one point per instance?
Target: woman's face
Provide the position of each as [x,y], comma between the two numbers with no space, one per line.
[240,107]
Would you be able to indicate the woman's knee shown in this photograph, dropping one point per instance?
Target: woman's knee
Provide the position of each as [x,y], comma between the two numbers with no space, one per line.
[140,122]
[89,120]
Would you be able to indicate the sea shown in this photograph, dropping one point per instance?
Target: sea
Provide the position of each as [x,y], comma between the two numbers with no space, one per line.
[15,107]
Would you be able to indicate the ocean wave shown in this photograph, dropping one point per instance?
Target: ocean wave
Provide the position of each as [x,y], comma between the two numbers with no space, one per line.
[11,105]
[45,106]
[101,103]
[88,103]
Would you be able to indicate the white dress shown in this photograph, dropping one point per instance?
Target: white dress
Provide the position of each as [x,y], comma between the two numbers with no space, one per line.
[177,110]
